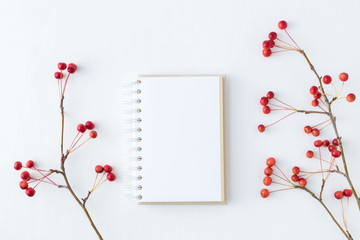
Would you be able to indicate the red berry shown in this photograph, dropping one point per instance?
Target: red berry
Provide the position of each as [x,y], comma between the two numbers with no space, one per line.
[264,101]
[338,194]
[295,178]
[266,52]
[332,148]
[336,153]
[296,170]
[270,162]
[107,168]
[270,95]
[272,43]
[315,103]
[317,95]
[307,129]
[261,128]
[326,79]
[314,90]
[61,66]
[93,134]
[318,143]
[343,77]
[302,182]
[282,25]
[72,68]
[81,128]
[23,185]
[350,97]
[58,75]
[111,177]
[267,181]
[30,164]
[315,132]
[25,175]
[309,154]
[266,109]
[99,169]
[266,44]
[268,171]
[326,143]
[272,35]
[89,125]
[30,192]
[17,165]
[335,142]
[347,192]
[264,193]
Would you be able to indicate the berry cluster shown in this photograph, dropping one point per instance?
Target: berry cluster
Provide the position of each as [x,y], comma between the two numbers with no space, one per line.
[105,170]
[27,178]
[82,128]
[71,69]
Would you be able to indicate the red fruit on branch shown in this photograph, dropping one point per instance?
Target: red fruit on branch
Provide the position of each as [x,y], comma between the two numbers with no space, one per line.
[326,143]
[99,169]
[23,185]
[267,181]
[266,44]
[335,142]
[266,109]
[25,175]
[309,154]
[315,103]
[318,143]
[71,68]
[295,178]
[268,171]
[302,182]
[350,97]
[62,66]
[107,168]
[326,79]
[270,162]
[318,95]
[111,177]
[17,165]
[272,35]
[267,52]
[270,95]
[282,25]
[89,125]
[339,195]
[93,134]
[314,90]
[261,128]
[58,75]
[81,128]
[296,170]
[264,193]
[343,77]
[336,153]
[332,148]
[272,43]
[30,192]
[30,164]
[307,129]
[315,132]
[348,192]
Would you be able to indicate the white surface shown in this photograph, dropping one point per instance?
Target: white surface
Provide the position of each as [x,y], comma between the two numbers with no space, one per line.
[180,139]
[113,41]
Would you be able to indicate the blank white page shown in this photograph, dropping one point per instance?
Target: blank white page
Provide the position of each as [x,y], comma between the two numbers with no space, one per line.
[182,148]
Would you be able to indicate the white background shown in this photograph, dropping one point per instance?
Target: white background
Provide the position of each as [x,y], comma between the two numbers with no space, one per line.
[114,41]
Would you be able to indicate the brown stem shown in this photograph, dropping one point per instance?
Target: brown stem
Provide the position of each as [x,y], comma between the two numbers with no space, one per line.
[346,233]
[62,166]
[322,189]
[85,199]
[309,112]
[333,122]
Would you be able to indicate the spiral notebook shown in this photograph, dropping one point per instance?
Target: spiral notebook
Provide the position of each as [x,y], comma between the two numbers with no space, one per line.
[180,139]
